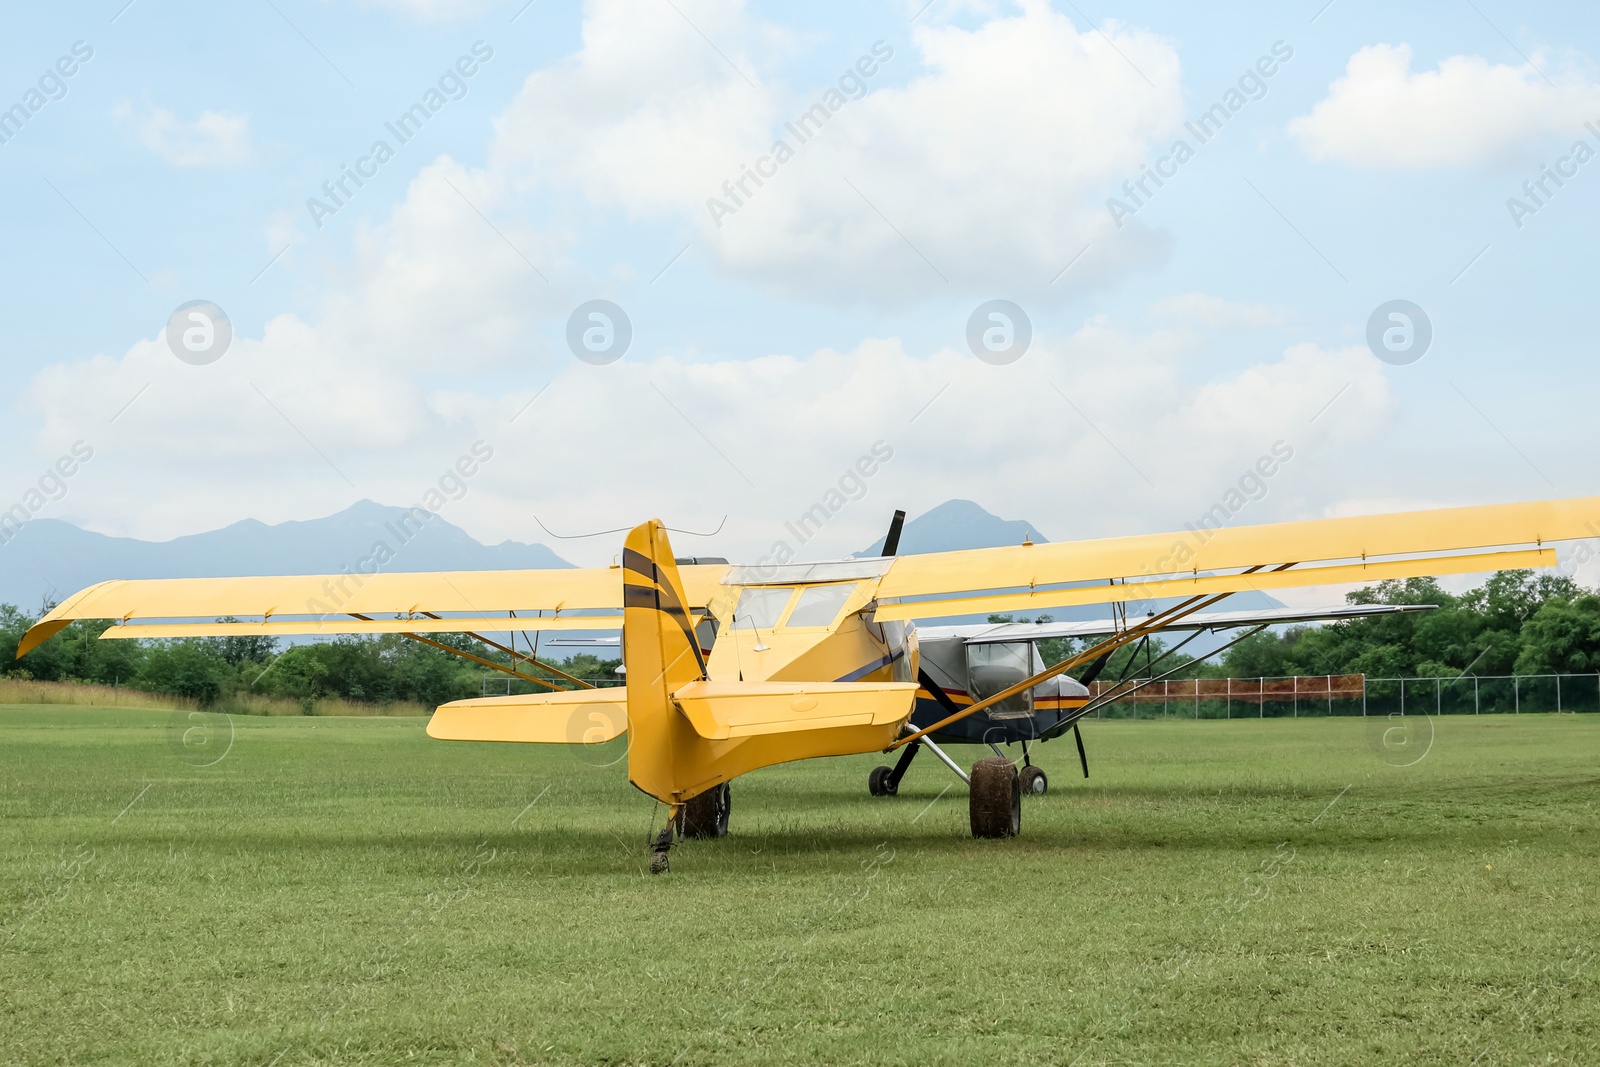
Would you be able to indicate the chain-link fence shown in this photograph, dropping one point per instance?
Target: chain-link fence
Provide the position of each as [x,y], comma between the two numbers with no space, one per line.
[496,684]
[1344,694]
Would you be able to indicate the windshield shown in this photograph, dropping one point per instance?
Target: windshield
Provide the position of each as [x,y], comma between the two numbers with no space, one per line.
[992,668]
[760,606]
[818,604]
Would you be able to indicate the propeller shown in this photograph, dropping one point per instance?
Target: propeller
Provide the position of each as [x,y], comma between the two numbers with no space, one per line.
[891,541]
[891,545]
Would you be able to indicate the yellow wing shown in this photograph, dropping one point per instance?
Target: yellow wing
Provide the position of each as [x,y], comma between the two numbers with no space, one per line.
[1234,559]
[335,603]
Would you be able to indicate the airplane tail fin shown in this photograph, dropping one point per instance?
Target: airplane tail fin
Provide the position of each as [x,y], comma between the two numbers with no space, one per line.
[659,645]
[659,649]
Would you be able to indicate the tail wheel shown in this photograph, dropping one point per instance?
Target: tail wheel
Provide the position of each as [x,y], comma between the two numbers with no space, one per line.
[878,783]
[1033,781]
[707,814]
[996,799]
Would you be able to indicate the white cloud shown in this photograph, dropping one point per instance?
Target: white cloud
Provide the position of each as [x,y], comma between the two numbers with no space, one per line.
[979,159]
[214,139]
[274,429]
[1382,115]
[1218,314]
[433,336]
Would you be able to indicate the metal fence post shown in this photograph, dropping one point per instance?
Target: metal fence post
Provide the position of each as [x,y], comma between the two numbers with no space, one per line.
[1438,696]
[1363,696]
[1477,705]
[1558,694]
[1261,698]
[1516,695]
[1230,695]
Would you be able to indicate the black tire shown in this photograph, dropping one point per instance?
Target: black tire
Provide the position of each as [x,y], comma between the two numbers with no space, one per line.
[878,783]
[995,800]
[706,815]
[1033,782]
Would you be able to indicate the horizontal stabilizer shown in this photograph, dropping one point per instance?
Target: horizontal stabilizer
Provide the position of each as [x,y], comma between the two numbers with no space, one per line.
[575,717]
[722,710]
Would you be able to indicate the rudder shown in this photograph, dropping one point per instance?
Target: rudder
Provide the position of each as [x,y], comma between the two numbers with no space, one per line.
[661,655]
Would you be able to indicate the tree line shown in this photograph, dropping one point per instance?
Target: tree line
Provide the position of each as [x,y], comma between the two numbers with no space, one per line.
[384,669]
[1518,622]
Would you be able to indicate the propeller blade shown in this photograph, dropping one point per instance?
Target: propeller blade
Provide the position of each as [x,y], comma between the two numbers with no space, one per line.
[891,542]
[1094,669]
[936,691]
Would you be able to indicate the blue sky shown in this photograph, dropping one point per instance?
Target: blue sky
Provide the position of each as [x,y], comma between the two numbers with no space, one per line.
[774,351]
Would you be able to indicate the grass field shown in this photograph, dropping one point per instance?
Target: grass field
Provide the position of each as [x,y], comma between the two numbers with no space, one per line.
[347,891]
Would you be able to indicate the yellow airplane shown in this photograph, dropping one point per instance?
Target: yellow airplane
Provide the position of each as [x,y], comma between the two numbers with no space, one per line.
[808,659]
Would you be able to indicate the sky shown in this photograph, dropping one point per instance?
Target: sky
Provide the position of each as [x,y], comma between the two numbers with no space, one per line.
[399,216]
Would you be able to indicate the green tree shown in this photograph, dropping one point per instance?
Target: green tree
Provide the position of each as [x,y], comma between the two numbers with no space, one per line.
[1562,637]
[188,667]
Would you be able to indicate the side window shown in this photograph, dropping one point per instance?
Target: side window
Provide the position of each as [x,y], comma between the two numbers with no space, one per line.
[818,604]
[760,606]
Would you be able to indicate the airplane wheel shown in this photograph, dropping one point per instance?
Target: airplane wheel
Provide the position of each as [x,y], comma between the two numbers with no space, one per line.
[995,801]
[1033,781]
[878,782]
[707,814]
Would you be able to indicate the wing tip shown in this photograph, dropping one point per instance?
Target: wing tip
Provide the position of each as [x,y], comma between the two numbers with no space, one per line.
[39,633]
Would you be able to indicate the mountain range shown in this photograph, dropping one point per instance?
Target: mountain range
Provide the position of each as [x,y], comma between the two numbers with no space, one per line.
[50,559]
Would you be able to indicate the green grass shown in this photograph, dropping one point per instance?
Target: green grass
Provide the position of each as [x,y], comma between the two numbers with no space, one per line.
[348,891]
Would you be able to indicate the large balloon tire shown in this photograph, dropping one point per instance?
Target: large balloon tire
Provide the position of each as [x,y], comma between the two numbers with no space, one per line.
[995,799]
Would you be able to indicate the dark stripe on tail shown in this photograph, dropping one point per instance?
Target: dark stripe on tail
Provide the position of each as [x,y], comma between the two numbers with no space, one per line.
[659,595]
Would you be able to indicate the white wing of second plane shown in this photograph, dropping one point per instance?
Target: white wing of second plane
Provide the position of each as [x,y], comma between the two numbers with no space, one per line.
[993,633]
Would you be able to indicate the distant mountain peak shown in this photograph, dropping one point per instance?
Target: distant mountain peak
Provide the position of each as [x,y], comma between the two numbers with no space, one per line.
[958,524]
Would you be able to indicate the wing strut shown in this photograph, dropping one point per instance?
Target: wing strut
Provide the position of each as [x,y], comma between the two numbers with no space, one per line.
[518,656]
[476,659]
[1096,705]
[1148,625]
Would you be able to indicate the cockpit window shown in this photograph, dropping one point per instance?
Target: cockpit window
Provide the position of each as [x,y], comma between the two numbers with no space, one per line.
[760,606]
[818,604]
[994,668]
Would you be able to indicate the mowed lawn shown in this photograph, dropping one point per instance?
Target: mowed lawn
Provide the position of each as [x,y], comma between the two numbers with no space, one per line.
[348,891]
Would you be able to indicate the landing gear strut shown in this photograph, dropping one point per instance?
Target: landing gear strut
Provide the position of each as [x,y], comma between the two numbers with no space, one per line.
[885,781]
[1032,779]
